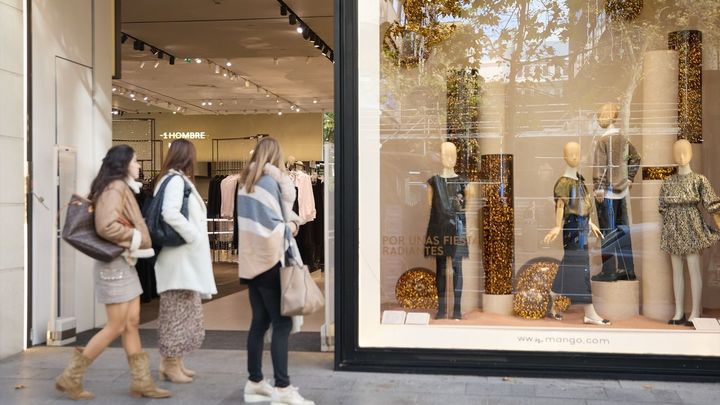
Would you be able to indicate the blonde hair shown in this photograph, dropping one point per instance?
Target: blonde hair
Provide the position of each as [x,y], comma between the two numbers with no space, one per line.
[607,114]
[268,150]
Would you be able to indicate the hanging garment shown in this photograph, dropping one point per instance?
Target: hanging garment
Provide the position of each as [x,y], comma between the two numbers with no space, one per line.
[214,198]
[227,192]
[306,199]
[319,224]
[446,235]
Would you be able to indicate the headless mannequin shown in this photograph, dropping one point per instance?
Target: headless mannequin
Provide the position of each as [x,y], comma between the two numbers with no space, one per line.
[682,153]
[448,154]
[571,154]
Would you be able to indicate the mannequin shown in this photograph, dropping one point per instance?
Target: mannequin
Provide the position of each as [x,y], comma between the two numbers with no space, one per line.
[573,207]
[615,165]
[446,235]
[684,233]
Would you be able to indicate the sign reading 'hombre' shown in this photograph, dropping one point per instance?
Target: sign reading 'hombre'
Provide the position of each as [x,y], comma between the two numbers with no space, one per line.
[183,135]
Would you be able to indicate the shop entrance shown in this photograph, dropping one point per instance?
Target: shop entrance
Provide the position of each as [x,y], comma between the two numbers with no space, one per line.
[224,74]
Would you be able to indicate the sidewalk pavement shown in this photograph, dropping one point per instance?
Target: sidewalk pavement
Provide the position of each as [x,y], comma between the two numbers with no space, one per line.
[27,378]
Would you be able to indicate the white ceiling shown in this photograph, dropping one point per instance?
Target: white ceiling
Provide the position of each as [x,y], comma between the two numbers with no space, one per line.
[251,34]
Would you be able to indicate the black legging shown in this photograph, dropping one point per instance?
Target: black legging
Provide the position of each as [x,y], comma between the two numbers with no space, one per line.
[265,303]
[441,262]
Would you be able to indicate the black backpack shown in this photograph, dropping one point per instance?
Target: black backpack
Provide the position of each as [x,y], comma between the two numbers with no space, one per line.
[161,233]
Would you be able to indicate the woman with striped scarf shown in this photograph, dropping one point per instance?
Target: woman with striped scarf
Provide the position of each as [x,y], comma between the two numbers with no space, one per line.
[266,225]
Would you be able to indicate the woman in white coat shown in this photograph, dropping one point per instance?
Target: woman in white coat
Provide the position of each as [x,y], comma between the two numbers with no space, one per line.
[184,273]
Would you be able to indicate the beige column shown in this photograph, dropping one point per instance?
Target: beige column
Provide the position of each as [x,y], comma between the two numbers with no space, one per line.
[660,126]
[472,266]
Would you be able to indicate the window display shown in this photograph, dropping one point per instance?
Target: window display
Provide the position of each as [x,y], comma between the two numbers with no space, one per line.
[525,175]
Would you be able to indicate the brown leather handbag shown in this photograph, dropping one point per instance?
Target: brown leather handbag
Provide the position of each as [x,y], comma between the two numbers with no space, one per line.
[79,231]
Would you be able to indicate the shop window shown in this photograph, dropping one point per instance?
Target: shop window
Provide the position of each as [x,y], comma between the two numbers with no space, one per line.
[512,201]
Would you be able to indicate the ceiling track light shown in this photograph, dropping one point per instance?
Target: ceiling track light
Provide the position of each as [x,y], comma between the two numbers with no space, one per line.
[114,89]
[306,33]
[198,60]
[123,38]
[300,29]
[217,69]
[283,10]
[247,83]
[138,45]
[292,19]
[228,63]
[314,101]
[172,60]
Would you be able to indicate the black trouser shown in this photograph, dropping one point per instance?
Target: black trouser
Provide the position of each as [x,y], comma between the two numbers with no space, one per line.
[573,277]
[616,251]
[441,262]
[265,303]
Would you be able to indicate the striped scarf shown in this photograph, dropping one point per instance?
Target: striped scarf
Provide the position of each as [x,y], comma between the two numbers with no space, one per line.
[264,237]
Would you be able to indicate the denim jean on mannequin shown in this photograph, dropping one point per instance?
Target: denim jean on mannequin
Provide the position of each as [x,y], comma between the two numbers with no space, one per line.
[617,255]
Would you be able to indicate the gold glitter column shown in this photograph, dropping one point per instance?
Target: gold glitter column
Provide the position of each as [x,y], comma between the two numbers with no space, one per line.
[498,223]
[463,115]
[688,43]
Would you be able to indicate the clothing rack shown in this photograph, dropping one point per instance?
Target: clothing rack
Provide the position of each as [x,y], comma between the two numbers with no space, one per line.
[219,167]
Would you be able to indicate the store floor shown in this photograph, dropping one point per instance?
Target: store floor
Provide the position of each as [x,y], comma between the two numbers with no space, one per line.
[230,310]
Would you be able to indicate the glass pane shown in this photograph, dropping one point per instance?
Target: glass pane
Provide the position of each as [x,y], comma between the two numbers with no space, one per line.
[517,163]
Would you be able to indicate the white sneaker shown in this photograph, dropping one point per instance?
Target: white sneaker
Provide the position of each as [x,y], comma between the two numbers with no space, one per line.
[258,392]
[289,395]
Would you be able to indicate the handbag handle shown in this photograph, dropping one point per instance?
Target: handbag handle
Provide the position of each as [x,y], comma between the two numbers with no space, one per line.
[292,252]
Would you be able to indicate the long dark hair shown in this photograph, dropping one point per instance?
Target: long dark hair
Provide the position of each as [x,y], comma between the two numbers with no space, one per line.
[114,167]
[181,156]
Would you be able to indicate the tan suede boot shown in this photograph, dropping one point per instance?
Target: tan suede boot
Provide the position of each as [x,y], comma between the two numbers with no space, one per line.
[170,369]
[71,380]
[186,371]
[142,382]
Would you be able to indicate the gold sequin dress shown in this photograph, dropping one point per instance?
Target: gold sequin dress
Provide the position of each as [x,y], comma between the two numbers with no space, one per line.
[684,230]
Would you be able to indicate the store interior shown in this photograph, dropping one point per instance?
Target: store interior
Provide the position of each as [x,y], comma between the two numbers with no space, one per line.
[224,74]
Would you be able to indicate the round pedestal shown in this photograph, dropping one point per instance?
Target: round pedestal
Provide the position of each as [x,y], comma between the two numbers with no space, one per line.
[616,300]
[500,304]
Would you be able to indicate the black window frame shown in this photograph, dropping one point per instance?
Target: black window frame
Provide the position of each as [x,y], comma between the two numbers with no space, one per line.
[349,356]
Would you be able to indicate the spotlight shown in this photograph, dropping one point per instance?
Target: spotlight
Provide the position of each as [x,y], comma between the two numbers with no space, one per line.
[172,60]
[123,38]
[297,109]
[317,43]
[299,29]
[277,101]
[228,63]
[325,50]
[146,98]
[331,55]
[247,83]
[132,95]
[292,19]
[313,37]
[160,54]
[203,103]
[198,60]
[138,45]
[174,112]
[114,89]
[154,50]
[306,33]
[221,104]
[292,107]
[279,112]
[225,73]
[156,64]
[314,101]
[179,108]
[217,69]
[209,102]
[276,60]
[142,65]
[283,10]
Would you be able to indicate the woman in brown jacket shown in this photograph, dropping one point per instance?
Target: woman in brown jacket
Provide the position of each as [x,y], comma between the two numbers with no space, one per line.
[117,219]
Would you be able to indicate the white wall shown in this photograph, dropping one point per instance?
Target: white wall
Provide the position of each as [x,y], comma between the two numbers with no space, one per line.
[71,63]
[12,199]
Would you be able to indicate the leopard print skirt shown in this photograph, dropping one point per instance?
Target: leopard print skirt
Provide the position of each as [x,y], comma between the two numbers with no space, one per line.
[180,329]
